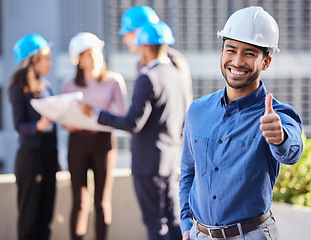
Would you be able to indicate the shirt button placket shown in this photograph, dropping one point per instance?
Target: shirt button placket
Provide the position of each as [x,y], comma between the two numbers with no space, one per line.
[216,168]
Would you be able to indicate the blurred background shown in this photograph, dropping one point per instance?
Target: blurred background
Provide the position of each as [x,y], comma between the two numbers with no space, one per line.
[194,23]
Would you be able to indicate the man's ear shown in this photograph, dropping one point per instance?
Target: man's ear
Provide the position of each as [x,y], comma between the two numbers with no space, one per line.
[266,62]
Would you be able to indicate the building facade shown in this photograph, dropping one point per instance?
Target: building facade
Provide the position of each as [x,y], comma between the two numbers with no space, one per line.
[194,23]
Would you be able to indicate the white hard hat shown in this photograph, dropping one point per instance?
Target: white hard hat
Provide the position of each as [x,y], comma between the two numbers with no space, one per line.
[252,25]
[82,42]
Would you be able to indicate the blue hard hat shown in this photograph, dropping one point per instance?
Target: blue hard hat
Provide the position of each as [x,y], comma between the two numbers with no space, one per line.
[154,34]
[134,17]
[28,46]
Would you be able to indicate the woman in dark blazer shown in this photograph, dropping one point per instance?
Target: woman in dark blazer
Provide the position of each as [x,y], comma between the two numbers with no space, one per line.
[36,158]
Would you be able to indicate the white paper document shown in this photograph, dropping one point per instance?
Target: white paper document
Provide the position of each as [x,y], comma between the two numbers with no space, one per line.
[64,109]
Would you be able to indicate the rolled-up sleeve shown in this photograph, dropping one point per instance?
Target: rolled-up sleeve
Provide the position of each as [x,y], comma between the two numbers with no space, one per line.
[289,152]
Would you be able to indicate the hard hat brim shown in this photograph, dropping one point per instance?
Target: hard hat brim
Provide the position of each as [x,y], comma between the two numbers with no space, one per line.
[272,49]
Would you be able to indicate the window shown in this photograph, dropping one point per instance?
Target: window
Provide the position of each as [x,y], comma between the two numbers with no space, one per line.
[77,16]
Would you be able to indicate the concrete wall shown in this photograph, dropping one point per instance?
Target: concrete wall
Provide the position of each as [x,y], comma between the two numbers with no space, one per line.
[293,221]
[126,219]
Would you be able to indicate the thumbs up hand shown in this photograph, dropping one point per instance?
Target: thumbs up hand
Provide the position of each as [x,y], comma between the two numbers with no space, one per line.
[271,125]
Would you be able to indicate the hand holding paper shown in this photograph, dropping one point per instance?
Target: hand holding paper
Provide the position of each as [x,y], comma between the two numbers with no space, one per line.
[43,124]
[64,109]
[85,108]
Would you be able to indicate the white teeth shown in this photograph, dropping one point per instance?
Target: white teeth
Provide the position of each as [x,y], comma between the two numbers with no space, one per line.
[237,72]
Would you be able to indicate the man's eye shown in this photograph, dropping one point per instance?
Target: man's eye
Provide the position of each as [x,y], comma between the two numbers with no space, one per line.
[250,54]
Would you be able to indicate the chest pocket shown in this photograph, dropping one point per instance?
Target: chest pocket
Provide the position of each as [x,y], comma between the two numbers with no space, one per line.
[243,159]
[200,153]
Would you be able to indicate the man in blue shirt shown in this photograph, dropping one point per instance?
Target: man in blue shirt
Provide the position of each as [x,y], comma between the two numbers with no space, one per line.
[237,139]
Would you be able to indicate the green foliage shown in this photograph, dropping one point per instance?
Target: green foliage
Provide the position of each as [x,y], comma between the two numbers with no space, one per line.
[294,182]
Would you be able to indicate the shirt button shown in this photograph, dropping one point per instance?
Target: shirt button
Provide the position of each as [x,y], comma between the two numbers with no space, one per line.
[243,144]
[216,168]
[195,140]
[228,114]
[220,141]
[214,197]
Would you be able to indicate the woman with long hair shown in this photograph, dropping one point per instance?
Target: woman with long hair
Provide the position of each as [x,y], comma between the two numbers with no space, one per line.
[89,149]
[36,158]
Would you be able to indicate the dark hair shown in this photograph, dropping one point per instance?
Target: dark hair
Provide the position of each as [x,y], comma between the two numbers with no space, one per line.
[264,50]
[158,48]
[20,76]
[79,78]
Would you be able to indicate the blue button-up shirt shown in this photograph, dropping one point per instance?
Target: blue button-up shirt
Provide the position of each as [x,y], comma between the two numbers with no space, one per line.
[228,170]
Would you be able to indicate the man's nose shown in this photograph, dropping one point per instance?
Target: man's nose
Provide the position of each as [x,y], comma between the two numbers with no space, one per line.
[238,60]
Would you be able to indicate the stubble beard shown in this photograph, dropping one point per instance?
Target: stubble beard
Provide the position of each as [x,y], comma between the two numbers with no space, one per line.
[249,81]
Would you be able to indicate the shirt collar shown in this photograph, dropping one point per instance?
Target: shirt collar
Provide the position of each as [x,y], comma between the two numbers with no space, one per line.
[153,63]
[248,100]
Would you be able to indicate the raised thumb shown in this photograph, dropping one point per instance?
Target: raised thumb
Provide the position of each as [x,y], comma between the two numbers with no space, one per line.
[268,104]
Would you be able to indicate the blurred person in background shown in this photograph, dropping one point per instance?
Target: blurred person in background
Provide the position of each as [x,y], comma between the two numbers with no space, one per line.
[137,16]
[155,119]
[105,90]
[36,159]
[237,139]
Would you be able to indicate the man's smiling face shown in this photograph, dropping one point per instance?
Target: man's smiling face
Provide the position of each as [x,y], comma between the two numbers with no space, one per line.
[241,64]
